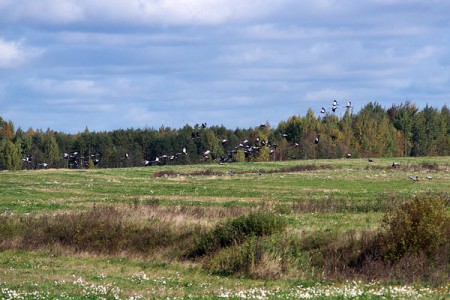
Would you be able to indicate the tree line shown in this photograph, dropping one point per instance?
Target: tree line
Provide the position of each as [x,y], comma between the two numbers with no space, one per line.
[400,130]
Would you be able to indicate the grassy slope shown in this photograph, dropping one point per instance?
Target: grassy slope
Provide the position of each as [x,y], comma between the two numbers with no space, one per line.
[340,186]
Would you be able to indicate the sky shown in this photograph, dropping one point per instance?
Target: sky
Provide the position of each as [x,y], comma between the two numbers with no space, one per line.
[104,65]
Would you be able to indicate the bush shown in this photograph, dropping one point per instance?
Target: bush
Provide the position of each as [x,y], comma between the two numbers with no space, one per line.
[413,243]
[238,259]
[420,225]
[236,231]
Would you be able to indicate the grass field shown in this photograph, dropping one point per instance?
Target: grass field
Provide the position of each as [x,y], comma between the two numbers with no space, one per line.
[155,214]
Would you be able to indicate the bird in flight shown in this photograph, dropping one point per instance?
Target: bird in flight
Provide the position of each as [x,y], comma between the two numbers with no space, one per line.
[317,139]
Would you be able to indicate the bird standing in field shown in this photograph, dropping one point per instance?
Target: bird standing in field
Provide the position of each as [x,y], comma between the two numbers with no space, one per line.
[414,178]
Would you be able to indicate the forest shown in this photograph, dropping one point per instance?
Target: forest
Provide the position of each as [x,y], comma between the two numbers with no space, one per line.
[374,131]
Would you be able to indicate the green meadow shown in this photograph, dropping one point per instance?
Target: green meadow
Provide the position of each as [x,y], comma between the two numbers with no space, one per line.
[131,233]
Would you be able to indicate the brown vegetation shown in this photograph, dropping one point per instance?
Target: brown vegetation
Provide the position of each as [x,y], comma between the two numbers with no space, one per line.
[413,243]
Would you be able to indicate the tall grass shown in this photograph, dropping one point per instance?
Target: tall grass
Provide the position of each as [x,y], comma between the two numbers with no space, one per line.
[105,230]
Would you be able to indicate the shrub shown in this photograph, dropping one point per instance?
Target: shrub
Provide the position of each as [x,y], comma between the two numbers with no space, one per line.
[413,243]
[236,231]
[238,259]
[419,225]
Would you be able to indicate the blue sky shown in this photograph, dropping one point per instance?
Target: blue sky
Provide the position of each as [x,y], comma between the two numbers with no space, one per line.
[115,64]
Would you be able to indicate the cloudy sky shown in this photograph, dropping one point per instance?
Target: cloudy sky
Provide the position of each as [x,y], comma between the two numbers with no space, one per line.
[111,64]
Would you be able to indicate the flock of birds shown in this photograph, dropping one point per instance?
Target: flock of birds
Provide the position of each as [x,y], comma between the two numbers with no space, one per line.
[76,160]
[412,177]
[335,106]
[248,149]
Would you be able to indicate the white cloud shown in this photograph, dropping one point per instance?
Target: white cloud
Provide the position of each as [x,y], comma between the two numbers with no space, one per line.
[12,54]
[78,87]
[137,12]
[16,53]
[179,12]
[44,11]
[74,105]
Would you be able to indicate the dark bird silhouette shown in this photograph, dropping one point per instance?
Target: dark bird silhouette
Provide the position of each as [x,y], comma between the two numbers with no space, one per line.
[195,135]
[27,159]
[349,104]
[322,111]
[349,155]
[335,103]
[370,160]
[317,139]
[395,165]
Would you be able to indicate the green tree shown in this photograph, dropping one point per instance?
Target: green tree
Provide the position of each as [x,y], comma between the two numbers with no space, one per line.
[239,156]
[212,144]
[9,156]
[425,132]
[51,151]
[443,132]
[402,117]
[308,148]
